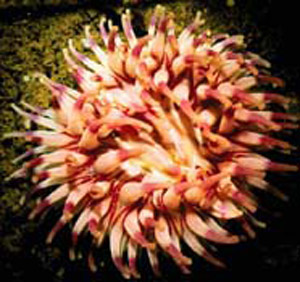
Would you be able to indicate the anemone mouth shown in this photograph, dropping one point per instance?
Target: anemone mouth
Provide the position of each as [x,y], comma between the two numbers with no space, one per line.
[161,142]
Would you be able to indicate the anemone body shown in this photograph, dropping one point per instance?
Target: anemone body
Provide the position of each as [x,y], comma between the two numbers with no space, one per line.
[159,144]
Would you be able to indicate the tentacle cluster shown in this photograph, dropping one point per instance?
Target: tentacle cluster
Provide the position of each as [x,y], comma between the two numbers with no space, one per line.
[158,145]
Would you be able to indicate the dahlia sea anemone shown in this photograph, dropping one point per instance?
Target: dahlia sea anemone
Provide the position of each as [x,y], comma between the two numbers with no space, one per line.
[161,143]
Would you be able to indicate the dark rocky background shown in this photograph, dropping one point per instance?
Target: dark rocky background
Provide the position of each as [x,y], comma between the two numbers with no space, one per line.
[32,34]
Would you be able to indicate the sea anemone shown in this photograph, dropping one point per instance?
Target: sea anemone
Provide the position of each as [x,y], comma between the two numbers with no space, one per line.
[160,145]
